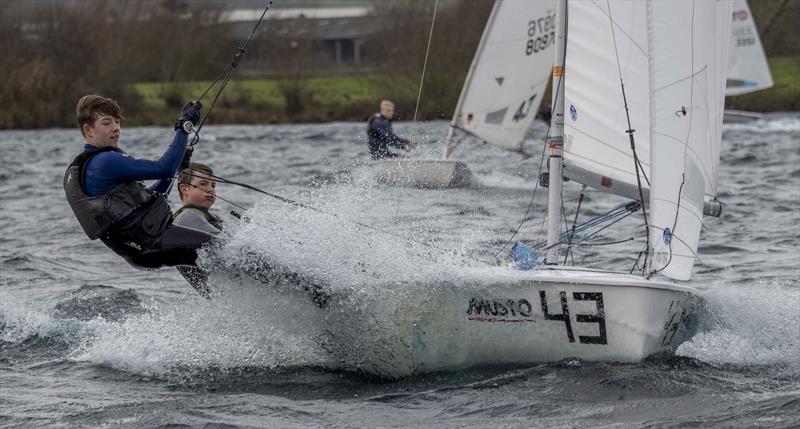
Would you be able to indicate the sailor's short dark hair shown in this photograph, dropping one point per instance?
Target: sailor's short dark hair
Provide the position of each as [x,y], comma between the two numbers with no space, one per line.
[91,106]
[186,175]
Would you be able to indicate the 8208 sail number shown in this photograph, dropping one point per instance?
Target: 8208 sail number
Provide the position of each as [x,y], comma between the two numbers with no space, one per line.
[541,34]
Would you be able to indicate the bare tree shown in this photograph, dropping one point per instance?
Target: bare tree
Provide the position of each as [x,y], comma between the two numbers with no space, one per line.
[456,31]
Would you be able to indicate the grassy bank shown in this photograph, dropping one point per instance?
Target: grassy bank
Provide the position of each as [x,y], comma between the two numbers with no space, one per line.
[273,101]
[355,98]
[783,96]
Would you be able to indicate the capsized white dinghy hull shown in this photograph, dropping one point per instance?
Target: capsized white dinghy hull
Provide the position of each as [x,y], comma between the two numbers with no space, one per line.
[422,173]
[549,315]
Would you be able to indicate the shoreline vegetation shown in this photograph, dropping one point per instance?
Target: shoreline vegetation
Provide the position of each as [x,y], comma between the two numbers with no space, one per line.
[55,52]
[784,96]
[339,98]
[355,98]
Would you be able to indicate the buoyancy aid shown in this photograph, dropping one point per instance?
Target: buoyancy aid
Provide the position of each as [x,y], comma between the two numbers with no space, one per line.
[129,212]
[215,221]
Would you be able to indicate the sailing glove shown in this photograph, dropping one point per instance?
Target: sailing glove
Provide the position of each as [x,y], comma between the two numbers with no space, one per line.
[190,115]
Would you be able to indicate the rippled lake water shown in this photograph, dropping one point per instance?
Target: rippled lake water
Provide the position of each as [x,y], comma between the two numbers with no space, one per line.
[86,340]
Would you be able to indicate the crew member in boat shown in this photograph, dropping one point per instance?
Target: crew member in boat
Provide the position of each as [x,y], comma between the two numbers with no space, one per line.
[381,136]
[197,189]
[104,188]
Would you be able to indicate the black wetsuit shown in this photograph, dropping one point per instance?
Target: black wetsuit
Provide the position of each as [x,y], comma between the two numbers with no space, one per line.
[381,137]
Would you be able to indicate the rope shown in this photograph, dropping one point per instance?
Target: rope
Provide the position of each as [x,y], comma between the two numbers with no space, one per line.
[614,215]
[607,243]
[425,64]
[574,222]
[566,227]
[630,132]
[530,204]
[684,243]
[226,75]
[674,225]
[318,210]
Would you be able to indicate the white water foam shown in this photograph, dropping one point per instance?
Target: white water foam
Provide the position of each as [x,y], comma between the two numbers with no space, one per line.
[753,325]
[254,324]
[232,331]
[337,242]
[21,321]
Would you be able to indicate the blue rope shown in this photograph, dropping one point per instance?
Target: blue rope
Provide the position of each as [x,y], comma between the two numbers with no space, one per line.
[611,217]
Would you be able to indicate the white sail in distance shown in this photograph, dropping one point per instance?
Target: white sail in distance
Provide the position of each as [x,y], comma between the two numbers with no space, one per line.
[606,45]
[509,73]
[748,70]
[689,61]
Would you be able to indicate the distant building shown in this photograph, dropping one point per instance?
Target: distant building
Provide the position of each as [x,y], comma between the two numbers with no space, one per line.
[340,31]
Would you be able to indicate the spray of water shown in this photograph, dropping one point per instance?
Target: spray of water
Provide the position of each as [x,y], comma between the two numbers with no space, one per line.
[754,324]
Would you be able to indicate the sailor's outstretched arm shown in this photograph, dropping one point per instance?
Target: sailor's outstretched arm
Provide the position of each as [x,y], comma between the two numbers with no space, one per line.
[124,168]
[163,186]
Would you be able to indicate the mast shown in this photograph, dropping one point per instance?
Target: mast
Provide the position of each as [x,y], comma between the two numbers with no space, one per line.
[556,139]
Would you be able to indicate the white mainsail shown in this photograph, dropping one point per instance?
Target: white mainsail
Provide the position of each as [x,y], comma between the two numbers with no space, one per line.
[597,150]
[688,50]
[509,73]
[748,70]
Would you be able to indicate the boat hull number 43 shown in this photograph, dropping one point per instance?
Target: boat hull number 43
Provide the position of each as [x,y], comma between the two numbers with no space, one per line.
[522,311]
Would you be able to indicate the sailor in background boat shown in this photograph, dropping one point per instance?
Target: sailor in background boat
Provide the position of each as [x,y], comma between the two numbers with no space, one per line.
[381,136]
[104,189]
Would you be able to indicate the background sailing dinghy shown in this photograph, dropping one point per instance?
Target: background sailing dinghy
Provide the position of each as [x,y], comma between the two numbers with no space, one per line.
[748,70]
[500,97]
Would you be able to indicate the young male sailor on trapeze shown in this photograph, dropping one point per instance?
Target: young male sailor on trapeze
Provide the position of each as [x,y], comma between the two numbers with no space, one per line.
[104,188]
